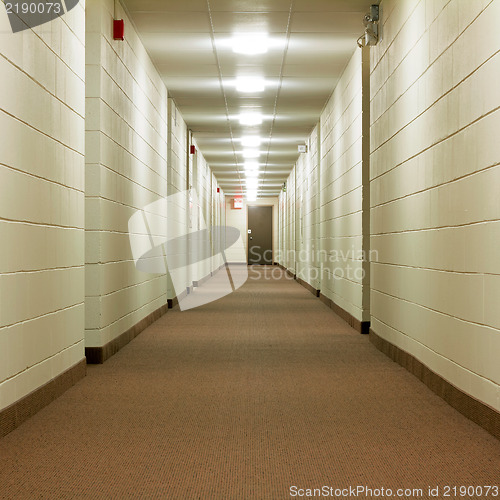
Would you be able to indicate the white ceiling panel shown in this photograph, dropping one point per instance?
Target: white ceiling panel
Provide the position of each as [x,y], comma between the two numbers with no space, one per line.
[166,6]
[333,5]
[248,22]
[250,5]
[173,22]
[327,22]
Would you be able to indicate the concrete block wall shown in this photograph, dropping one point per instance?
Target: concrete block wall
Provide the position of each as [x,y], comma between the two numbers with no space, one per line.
[126,170]
[288,250]
[301,167]
[325,195]
[202,185]
[341,194]
[435,209]
[308,210]
[178,176]
[42,109]
[137,153]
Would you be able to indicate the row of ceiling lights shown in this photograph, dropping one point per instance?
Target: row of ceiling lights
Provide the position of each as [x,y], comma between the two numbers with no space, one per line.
[251,44]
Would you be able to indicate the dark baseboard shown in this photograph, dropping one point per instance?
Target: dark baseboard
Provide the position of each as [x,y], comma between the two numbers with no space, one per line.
[309,287]
[202,280]
[20,411]
[360,326]
[171,303]
[480,413]
[98,355]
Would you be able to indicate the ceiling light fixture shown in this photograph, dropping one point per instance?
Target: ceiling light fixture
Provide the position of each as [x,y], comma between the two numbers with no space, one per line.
[250,84]
[251,141]
[251,165]
[251,173]
[252,195]
[250,119]
[251,43]
[252,183]
[251,153]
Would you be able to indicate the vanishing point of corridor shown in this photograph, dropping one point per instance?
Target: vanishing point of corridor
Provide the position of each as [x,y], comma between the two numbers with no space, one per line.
[247,397]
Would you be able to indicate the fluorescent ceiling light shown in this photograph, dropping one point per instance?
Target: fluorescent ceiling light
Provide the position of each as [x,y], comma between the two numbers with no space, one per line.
[251,153]
[252,173]
[251,165]
[251,141]
[251,43]
[250,119]
[250,84]
[252,183]
[252,195]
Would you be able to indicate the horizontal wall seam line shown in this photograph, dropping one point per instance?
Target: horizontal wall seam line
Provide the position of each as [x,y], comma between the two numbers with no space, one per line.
[440,141]
[432,105]
[44,360]
[448,315]
[35,176]
[82,154]
[484,377]
[46,315]
[436,228]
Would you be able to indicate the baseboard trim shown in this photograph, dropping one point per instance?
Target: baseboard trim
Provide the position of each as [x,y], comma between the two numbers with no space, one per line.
[480,413]
[98,355]
[362,327]
[309,287]
[200,282]
[20,411]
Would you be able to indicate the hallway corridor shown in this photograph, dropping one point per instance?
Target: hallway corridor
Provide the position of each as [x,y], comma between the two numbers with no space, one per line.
[244,398]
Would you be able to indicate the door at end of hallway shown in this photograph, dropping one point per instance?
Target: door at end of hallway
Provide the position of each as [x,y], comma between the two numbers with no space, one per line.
[260,235]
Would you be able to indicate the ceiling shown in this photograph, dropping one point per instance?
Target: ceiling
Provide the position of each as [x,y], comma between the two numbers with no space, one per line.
[191,42]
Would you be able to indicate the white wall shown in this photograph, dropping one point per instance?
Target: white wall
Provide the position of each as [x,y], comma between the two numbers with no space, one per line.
[434,188]
[137,154]
[126,170]
[325,230]
[341,215]
[178,179]
[42,110]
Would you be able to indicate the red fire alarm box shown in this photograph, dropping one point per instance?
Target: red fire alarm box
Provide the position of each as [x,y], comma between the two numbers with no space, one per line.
[192,149]
[218,190]
[118,29]
[238,203]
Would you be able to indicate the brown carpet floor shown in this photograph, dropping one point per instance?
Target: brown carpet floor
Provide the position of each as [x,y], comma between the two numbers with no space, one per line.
[242,399]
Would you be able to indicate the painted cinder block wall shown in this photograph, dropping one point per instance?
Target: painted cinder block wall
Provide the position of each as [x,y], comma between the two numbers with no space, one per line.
[435,208]
[137,153]
[42,109]
[126,170]
[326,190]
[178,175]
[344,279]
[433,283]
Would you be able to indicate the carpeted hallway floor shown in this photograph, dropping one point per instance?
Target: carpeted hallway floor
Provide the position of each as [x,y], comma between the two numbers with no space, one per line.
[242,399]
